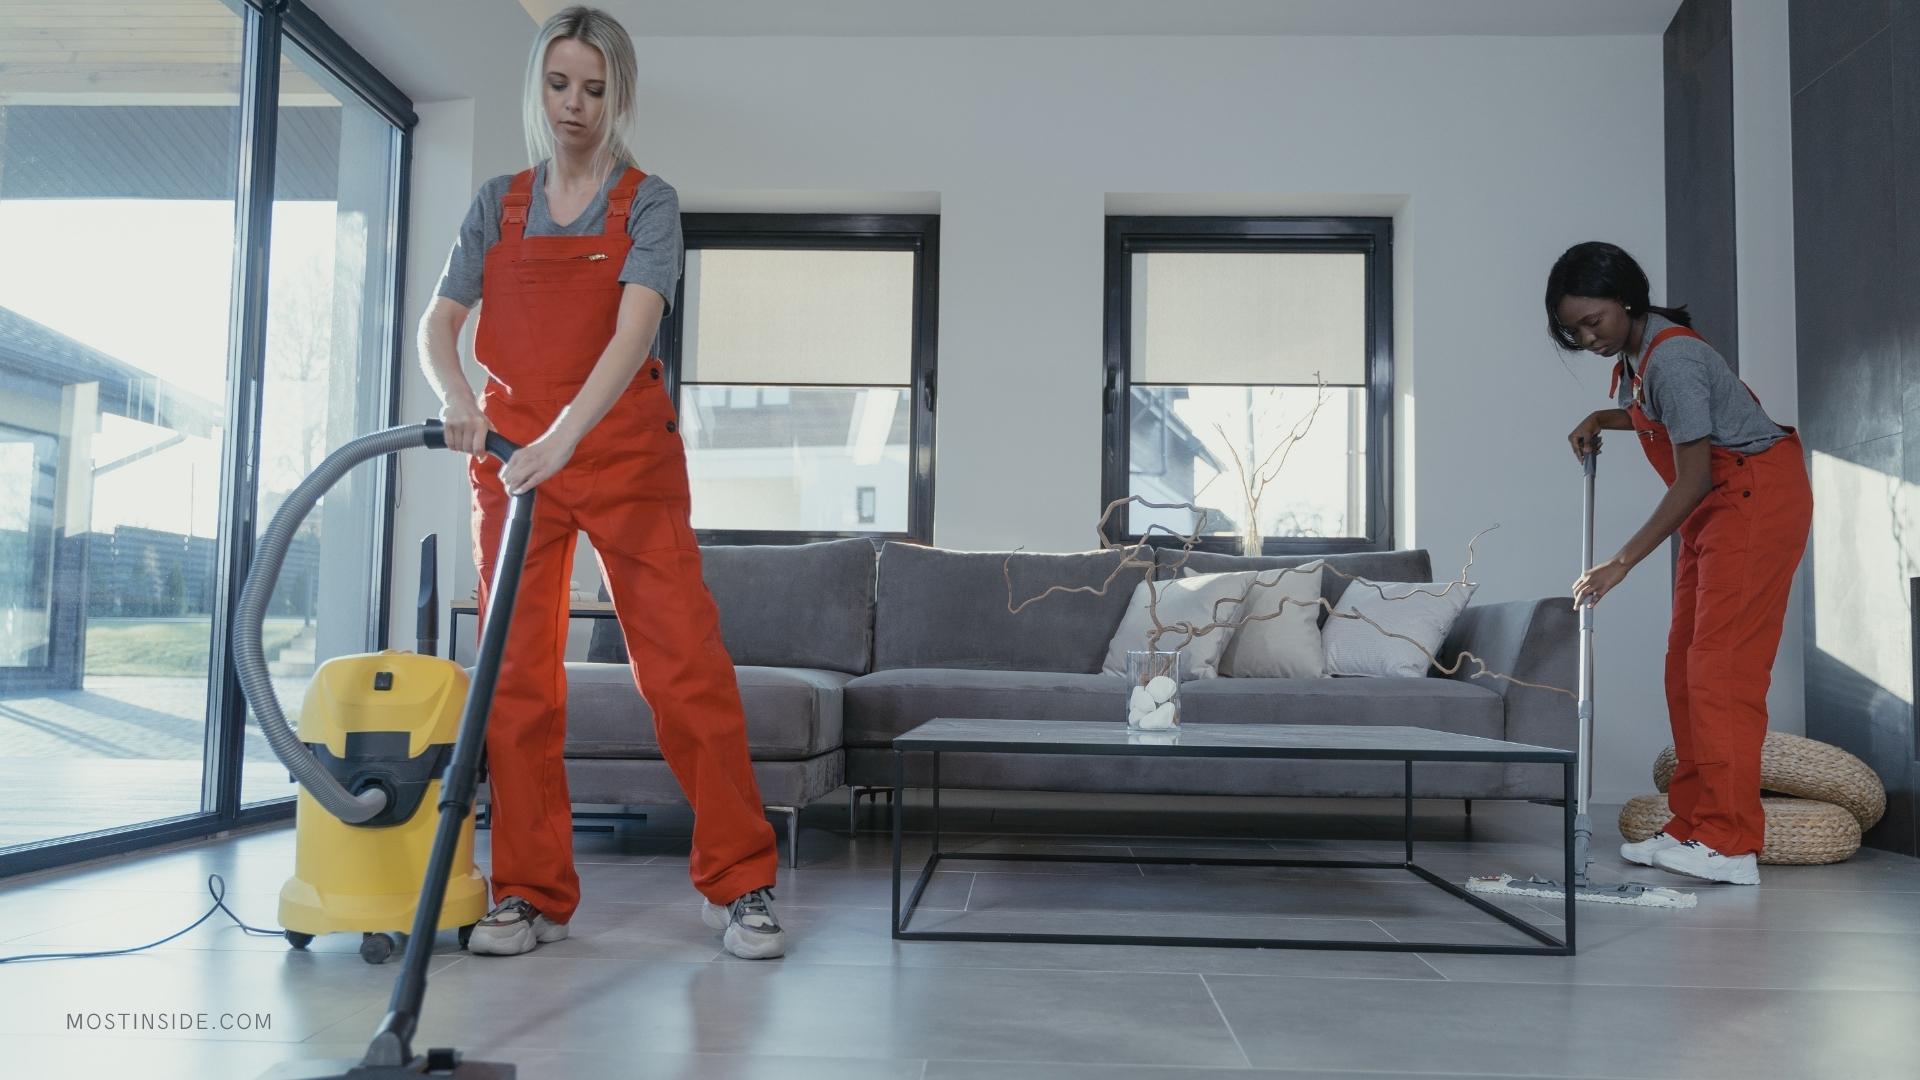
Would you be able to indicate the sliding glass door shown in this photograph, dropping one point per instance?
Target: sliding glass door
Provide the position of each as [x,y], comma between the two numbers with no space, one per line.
[328,366]
[169,355]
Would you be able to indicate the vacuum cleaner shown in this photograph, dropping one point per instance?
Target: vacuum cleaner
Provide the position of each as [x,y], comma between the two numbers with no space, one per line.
[383,722]
[382,737]
[1630,893]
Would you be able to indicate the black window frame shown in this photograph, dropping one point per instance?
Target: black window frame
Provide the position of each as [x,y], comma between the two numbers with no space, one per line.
[1128,235]
[267,26]
[917,233]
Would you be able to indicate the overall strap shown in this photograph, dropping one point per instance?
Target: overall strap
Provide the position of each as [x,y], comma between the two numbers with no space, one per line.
[620,201]
[1646,354]
[513,207]
[1646,357]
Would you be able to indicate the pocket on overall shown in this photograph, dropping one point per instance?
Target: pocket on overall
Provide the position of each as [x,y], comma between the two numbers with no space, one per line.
[569,269]
[639,493]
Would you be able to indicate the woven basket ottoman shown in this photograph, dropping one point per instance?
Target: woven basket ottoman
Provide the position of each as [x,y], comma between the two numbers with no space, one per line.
[1800,832]
[1808,769]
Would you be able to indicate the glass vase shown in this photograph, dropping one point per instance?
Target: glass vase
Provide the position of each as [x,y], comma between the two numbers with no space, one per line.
[1153,689]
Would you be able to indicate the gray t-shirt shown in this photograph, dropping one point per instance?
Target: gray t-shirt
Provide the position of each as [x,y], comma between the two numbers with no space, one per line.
[653,221]
[1692,390]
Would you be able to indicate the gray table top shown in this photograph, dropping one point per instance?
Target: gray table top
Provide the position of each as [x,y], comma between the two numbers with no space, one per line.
[1335,742]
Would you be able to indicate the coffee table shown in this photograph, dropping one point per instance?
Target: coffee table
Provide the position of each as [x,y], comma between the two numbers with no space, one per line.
[1270,741]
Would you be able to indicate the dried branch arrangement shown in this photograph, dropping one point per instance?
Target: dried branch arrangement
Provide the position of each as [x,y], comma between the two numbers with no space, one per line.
[1139,556]
[1255,479]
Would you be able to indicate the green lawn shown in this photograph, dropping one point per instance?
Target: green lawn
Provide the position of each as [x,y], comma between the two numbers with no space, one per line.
[166,646]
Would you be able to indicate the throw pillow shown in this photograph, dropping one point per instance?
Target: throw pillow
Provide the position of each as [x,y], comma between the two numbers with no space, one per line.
[1415,609]
[1182,600]
[1279,632]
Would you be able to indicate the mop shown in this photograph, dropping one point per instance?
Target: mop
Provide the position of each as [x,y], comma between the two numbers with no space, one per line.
[1630,893]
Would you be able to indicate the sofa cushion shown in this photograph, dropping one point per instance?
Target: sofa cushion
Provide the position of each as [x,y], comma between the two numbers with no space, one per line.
[888,703]
[783,605]
[792,713]
[1411,565]
[938,608]
[1437,704]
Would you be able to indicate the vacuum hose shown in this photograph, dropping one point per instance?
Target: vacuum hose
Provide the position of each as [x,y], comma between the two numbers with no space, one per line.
[269,555]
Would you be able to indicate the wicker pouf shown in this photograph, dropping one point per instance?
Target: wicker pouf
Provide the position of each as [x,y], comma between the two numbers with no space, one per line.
[1808,769]
[1800,832]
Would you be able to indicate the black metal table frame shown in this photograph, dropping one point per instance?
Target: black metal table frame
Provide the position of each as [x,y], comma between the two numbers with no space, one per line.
[902,915]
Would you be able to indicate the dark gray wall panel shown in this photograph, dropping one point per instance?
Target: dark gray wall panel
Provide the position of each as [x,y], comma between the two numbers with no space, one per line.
[1856,175]
[1824,31]
[1843,226]
[1701,268]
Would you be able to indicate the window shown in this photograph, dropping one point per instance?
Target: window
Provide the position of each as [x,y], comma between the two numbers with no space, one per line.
[801,353]
[136,461]
[329,368]
[1249,372]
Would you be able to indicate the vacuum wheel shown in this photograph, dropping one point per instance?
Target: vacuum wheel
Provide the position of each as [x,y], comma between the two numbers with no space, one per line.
[466,932]
[376,948]
[297,939]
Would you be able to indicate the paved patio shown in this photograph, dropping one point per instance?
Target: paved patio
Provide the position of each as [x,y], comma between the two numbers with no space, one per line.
[122,750]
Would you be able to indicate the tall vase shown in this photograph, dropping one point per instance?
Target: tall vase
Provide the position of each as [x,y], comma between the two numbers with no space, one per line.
[1251,542]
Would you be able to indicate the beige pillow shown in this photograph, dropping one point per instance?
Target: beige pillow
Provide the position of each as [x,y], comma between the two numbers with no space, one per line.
[1188,600]
[1282,646]
[1421,611]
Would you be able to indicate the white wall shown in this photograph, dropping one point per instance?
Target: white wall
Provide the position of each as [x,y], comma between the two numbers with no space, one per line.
[1482,149]
[1763,256]
[427,486]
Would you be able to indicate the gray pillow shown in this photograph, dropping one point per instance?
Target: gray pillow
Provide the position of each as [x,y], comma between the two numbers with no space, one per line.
[1279,632]
[1408,565]
[948,609]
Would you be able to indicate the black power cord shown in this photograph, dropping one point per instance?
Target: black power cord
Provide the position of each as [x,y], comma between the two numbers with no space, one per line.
[215,885]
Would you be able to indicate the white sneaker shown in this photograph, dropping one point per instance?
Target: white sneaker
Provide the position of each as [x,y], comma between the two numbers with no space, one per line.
[513,927]
[1642,853]
[1695,859]
[752,932]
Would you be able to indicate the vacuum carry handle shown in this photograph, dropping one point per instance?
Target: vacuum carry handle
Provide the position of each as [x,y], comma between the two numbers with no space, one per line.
[497,444]
[426,617]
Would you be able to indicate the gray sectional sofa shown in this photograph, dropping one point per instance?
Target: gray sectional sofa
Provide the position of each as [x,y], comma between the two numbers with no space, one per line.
[840,647]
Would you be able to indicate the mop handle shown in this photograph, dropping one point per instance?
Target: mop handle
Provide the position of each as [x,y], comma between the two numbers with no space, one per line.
[1590,464]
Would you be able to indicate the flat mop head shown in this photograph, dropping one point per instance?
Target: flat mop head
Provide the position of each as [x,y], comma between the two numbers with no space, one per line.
[437,1063]
[1631,894]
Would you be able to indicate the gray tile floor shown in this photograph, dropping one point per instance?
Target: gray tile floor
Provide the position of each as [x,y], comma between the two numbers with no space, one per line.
[1816,973]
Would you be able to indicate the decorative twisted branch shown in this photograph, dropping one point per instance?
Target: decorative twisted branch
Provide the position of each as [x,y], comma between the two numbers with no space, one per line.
[1191,633]
[1254,482]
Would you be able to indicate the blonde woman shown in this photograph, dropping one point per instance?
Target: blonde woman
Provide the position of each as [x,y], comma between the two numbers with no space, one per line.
[574,262]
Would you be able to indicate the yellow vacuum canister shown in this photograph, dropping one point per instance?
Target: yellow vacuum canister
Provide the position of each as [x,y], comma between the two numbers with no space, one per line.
[379,720]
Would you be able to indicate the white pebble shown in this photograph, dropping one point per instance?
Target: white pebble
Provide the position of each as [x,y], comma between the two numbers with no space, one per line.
[1141,701]
[1162,688]
[1160,719]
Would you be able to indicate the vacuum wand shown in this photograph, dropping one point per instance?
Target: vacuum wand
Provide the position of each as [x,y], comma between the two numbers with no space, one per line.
[390,1055]
[392,1042]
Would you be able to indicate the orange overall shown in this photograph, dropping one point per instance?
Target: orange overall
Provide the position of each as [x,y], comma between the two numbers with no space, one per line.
[1738,553]
[548,309]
